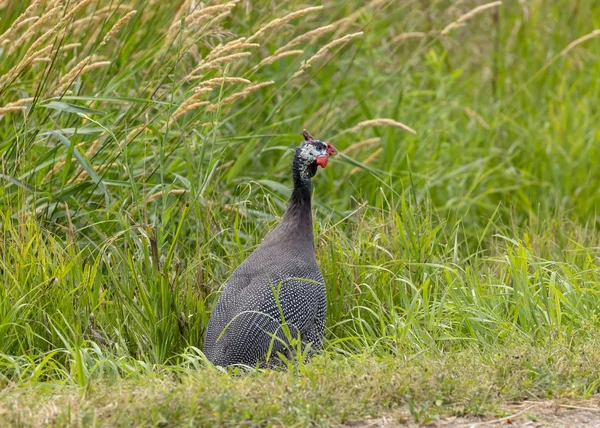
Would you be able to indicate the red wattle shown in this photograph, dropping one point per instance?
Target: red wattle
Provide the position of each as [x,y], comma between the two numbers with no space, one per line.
[322,161]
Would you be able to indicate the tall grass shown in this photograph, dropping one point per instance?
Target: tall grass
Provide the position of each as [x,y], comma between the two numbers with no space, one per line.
[146,151]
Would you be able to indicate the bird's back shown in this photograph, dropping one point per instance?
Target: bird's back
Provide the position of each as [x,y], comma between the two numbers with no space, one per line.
[278,278]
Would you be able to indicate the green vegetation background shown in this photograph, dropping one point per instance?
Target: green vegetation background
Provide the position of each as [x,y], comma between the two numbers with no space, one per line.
[129,191]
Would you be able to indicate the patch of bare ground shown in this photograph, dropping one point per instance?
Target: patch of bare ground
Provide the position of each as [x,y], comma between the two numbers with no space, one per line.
[546,414]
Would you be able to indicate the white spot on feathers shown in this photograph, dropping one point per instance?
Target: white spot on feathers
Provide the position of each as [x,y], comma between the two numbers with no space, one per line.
[309,153]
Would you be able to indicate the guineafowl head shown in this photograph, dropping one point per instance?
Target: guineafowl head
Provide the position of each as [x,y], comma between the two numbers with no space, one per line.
[311,154]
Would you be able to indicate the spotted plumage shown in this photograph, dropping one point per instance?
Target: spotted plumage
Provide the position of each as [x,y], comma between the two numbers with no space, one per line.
[281,277]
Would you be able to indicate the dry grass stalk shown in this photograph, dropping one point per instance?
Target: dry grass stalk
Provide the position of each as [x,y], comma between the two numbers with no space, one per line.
[10,109]
[565,51]
[60,164]
[363,143]
[214,64]
[462,19]
[37,56]
[227,47]
[23,101]
[50,49]
[186,107]
[14,71]
[157,195]
[79,6]
[226,165]
[43,51]
[579,41]
[132,135]
[271,59]
[47,16]
[19,21]
[469,113]
[198,16]
[197,20]
[15,105]
[180,12]
[27,58]
[82,175]
[115,28]
[192,106]
[27,12]
[381,122]
[113,8]
[221,50]
[25,22]
[191,103]
[56,168]
[82,67]
[306,36]
[280,22]
[324,50]
[83,22]
[221,16]
[406,36]
[473,115]
[343,23]
[218,81]
[93,147]
[70,46]
[194,16]
[71,74]
[239,95]
[367,161]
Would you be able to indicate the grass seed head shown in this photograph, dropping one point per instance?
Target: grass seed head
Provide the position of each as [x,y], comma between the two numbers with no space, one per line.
[87,64]
[363,143]
[310,35]
[367,161]
[280,22]
[580,40]
[271,59]
[215,63]
[21,20]
[239,95]
[462,19]
[115,28]
[381,122]
[324,50]
[218,81]
[31,31]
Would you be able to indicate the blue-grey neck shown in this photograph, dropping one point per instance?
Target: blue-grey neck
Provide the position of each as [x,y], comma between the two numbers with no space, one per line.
[297,220]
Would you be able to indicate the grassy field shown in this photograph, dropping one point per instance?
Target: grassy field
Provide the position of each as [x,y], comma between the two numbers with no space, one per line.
[145,151]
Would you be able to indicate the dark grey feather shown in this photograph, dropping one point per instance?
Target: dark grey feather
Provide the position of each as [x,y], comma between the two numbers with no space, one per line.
[246,323]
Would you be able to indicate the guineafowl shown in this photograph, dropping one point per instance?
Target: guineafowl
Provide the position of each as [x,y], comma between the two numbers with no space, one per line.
[281,277]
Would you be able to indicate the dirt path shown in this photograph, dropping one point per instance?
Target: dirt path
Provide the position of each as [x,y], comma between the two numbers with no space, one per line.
[547,414]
